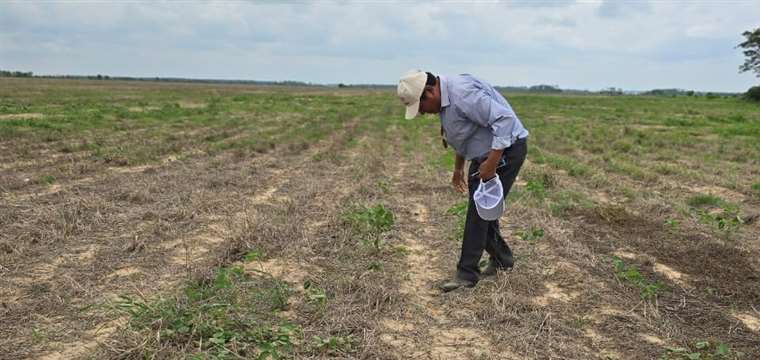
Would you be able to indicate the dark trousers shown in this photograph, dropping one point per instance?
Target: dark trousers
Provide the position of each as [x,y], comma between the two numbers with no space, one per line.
[480,234]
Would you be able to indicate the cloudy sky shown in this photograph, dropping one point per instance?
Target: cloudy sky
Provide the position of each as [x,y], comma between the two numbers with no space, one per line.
[573,44]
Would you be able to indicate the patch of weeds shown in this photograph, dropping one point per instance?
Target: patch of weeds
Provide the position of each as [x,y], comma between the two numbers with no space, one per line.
[629,193]
[217,137]
[535,155]
[573,167]
[700,200]
[232,314]
[756,189]
[333,345]
[46,179]
[565,201]
[251,255]
[622,146]
[446,160]
[678,122]
[370,223]
[459,210]
[598,181]
[314,294]
[702,350]
[401,250]
[537,189]
[351,143]
[630,273]
[673,225]
[38,336]
[246,143]
[547,179]
[581,321]
[320,156]
[665,169]
[631,170]
[726,220]
[384,186]
[515,194]
[749,129]
[714,211]
[531,235]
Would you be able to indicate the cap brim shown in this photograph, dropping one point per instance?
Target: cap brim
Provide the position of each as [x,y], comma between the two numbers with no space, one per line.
[412,110]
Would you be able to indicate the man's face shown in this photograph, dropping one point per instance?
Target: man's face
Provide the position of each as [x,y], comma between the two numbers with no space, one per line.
[430,102]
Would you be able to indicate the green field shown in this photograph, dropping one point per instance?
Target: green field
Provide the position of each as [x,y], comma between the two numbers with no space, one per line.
[173,220]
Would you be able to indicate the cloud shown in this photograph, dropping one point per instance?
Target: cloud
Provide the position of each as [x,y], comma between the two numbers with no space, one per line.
[573,44]
[539,3]
[622,8]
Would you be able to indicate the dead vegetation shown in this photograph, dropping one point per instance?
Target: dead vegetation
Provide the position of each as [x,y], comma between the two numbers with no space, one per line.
[341,222]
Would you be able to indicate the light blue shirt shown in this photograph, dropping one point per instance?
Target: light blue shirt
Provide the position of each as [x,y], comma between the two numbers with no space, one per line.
[475,118]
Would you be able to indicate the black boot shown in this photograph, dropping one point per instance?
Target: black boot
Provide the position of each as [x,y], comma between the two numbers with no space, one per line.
[456,283]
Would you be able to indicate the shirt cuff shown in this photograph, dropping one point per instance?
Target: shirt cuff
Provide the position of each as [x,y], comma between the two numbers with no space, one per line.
[499,143]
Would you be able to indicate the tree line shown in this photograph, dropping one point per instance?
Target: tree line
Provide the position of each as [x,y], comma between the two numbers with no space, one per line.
[6,73]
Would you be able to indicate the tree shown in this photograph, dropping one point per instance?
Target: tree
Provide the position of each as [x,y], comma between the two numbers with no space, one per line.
[751,50]
[753,93]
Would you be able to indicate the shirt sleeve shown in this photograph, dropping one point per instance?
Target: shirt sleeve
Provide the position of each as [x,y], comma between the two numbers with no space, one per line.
[482,109]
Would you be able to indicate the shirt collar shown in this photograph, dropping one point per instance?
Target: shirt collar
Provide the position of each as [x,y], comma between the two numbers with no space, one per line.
[444,91]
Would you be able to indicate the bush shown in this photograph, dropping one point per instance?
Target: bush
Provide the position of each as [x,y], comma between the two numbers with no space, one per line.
[753,94]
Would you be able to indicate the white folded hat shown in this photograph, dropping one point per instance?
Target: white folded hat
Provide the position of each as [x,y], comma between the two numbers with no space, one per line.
[489,199]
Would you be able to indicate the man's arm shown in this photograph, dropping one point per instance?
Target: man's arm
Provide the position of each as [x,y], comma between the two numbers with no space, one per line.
[488,167]
[459,163]
[458,178]
[486,112]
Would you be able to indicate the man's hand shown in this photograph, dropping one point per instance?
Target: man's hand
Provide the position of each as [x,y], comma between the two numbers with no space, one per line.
[458,181]
[488,166]
[487,170]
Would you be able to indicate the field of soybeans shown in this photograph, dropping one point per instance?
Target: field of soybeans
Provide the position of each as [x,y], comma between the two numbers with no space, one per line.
[143,220]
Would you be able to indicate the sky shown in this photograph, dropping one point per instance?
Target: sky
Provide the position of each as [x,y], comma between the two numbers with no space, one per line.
[634,45]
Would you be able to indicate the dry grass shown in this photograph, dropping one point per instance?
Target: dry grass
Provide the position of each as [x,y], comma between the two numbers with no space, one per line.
[143,203]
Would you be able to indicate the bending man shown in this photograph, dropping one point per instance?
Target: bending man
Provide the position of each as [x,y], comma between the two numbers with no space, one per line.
[481,127]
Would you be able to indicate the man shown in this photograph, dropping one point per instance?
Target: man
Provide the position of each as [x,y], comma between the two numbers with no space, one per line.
[481,127]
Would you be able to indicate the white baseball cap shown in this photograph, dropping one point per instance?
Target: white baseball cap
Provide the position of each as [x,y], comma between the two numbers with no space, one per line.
[489,199]
[410,88]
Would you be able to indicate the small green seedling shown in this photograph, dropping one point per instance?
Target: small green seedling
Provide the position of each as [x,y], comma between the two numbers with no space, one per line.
[370,223]
[47,179]
[251,256]
[314,294]
[702,350]
[631,274]
[333,343]
[531,235]
[672,224]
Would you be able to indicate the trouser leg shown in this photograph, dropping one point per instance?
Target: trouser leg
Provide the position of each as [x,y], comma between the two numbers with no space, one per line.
[501,254]
[480,234]
[497,248]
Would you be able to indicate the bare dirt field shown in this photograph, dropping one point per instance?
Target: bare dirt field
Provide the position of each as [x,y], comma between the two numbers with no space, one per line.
[165,220]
